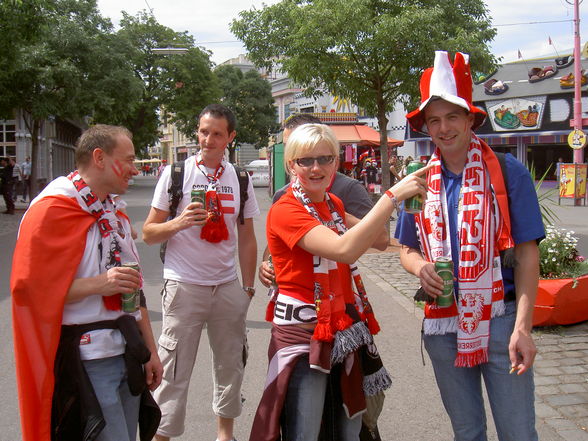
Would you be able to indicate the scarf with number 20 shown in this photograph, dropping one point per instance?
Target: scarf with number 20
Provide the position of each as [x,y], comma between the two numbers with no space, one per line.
[483,224]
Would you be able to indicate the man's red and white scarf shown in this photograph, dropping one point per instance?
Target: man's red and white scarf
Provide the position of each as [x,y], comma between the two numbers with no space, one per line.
[483,224]
[215,229]
[116,246]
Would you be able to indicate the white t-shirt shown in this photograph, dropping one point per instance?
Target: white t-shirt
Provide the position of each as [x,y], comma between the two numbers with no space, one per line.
[193,260]
[100,343]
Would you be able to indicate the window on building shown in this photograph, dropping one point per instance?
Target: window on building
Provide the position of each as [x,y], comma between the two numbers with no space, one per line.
[7,138]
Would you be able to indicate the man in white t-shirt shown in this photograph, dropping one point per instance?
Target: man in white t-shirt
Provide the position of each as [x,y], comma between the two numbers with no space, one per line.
[85,353]
[201,285]
[26,178]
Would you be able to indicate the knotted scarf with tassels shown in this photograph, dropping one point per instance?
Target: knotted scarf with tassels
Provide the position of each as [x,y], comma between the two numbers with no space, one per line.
[483,223]
[333,322]
[215,229]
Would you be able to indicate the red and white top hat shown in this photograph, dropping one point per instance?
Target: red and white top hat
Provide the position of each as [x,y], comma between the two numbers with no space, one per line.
[447,82]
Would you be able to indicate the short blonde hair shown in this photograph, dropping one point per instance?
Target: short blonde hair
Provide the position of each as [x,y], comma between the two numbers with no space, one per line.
[305,138]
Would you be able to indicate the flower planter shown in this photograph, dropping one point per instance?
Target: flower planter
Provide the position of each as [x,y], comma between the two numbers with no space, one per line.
[559,302]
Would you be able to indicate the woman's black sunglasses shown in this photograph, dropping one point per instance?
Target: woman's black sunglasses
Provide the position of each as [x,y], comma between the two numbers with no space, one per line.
[309,162]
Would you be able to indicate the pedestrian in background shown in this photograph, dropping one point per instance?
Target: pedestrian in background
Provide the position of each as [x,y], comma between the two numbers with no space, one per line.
[86,359]
[6,185]
[394,170]
[403,171]
[16,178]
[201,285]
[489,226]
[26,179]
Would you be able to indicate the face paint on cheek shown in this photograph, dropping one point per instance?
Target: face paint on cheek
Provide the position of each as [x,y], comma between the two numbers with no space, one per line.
[303,181]
[117,168]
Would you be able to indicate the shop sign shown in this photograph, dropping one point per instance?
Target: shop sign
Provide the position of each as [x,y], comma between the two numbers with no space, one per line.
[572,181]
[516,114]
[577,139]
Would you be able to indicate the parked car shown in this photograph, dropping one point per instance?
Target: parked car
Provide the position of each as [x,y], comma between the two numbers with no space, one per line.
[259,172]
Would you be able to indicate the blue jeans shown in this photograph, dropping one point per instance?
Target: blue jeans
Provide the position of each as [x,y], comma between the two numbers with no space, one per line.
[303,408]
[511,396]
[119,407]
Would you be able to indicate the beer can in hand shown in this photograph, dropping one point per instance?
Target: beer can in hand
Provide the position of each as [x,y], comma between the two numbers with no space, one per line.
[444,267]
[131,301]
[415,203]
[199,196]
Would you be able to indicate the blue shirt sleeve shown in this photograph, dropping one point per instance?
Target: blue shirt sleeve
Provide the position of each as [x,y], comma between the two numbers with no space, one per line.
[406,232]
[525,214]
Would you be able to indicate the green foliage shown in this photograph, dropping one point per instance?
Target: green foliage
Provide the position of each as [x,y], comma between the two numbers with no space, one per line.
[371,52]
[250,97]
[544,197]
[558,255]
[62,58]
[180,84]
[56,61]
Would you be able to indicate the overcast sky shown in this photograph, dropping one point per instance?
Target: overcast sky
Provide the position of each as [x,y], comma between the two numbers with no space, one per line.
[209,22]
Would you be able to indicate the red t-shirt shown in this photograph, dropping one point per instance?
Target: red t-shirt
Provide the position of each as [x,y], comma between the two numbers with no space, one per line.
[287,222]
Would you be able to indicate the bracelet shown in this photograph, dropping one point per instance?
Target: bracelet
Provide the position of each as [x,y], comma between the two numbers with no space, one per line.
[392,198]
[250,290]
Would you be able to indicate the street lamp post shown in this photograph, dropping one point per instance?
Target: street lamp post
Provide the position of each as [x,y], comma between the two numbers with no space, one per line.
[578,123]
[578,153]
[170,50]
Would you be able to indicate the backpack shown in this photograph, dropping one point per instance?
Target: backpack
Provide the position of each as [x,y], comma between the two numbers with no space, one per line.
[176,193]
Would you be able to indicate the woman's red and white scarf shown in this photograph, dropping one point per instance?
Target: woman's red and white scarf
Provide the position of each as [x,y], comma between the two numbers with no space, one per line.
[215,229]
[483,231]
[329,300]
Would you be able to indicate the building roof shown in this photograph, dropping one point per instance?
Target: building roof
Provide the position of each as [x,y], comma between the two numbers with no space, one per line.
[361,135]
[516,76]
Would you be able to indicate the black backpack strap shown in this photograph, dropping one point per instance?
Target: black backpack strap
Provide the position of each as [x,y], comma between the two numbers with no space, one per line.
[507,256]
[243,187]
[502,160]
[176,189]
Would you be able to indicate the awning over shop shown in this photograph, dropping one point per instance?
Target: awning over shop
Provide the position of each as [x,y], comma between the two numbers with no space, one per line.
[361,135]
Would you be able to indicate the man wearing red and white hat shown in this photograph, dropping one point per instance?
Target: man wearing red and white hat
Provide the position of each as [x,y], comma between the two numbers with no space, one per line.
[489,225]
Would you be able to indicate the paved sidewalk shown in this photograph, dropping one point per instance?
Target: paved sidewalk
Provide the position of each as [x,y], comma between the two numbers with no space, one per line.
[561,366]
[10,222]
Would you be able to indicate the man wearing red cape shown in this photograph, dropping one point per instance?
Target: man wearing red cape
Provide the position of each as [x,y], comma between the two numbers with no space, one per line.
[84,365]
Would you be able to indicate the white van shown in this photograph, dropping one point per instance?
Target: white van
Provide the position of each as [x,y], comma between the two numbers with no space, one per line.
[259,172]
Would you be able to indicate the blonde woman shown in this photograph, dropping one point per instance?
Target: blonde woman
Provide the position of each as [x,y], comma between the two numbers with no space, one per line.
[320,323]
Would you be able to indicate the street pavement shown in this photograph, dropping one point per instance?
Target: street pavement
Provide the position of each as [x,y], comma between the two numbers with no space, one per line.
[412,411]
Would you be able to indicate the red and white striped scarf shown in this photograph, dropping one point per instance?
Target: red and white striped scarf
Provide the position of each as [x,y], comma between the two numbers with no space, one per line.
[116,246]
[329,302]
[483,231]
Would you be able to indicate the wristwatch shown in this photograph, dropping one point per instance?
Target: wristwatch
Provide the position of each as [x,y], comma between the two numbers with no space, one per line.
[249,290]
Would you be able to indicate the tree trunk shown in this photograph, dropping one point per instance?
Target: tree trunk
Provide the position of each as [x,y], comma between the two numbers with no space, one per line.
[232,147]
[383,124]
[33,126]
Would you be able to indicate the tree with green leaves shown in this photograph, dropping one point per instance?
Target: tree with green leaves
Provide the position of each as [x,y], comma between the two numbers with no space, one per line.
[250,97]
[371,52]
[180,84]
[58,64]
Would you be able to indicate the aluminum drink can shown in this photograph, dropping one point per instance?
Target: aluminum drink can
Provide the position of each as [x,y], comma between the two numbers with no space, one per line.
[199,196]
[131,301]
[415,203]
[444,267]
